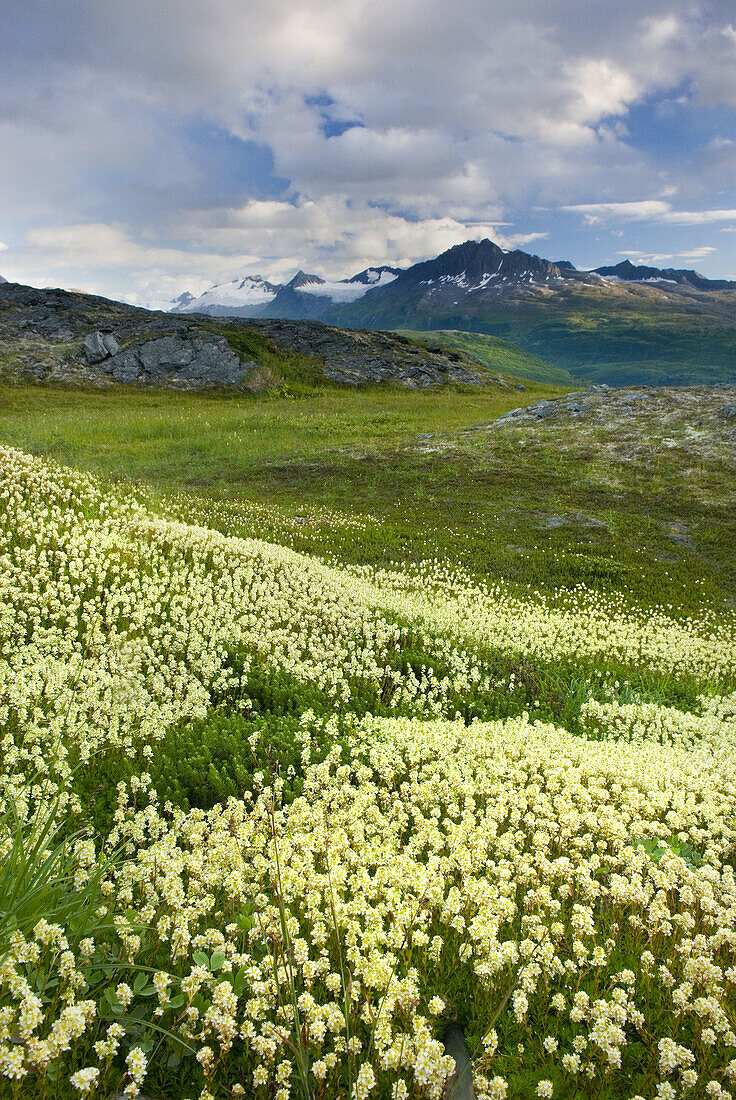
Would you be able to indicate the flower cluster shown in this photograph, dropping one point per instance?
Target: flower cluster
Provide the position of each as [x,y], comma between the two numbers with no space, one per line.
[567,894]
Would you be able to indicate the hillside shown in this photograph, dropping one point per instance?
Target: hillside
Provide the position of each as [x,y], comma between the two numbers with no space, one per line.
[57,336]
[496,354]
[333,677]
[612,330]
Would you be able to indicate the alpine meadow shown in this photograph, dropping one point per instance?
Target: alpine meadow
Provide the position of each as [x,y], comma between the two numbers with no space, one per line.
[367,571]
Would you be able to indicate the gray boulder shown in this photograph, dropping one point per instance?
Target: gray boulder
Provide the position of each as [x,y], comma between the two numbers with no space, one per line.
[99,346]
[205,360]
[543,409]
[728,412]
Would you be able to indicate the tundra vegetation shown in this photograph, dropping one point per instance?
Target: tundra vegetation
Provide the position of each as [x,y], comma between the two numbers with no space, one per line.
[326,722]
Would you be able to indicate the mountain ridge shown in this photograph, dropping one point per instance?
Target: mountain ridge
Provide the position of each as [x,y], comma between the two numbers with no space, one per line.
[644,330]
[643,273]
[470,266]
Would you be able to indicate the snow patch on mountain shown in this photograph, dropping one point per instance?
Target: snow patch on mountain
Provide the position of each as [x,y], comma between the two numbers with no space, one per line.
[348,290]
[251,291]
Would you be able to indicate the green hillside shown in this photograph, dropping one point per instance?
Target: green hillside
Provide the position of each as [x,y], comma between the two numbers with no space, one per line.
[623,334]
[497,354]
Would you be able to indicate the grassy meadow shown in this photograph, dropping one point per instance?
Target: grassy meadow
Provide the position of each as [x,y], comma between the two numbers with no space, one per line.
[330,719]
[411,475]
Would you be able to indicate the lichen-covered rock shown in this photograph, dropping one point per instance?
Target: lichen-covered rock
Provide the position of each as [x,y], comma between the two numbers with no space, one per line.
[205,360]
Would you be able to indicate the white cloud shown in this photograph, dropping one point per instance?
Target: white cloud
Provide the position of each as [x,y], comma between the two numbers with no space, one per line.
[700,253]
[3,247]
[647,210]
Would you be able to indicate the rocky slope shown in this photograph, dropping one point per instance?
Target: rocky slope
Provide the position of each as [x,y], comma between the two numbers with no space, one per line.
[699,420]
[60,336]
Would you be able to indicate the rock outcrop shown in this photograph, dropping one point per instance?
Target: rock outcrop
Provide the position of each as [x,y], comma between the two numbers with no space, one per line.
[99,346]
[204,360]
[358,356]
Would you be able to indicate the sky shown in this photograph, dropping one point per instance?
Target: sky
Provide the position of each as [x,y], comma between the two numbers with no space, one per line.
[150,148]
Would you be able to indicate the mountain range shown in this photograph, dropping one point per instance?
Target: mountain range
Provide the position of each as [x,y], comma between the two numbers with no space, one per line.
[618,324]
[476,268]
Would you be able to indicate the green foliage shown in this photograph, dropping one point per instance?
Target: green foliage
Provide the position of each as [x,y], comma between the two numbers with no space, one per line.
[38,877]
[241,745]
[281,371]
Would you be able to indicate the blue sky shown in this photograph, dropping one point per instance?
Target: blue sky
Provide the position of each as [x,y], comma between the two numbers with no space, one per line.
[151,148]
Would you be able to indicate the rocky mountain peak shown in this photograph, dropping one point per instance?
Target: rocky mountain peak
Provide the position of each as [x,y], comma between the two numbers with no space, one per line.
[260,282]
[474,264]
[181,301]
[371,275]
[473,259]
[302,278]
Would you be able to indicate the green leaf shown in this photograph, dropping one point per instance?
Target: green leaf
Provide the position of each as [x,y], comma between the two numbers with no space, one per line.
[216,961]
[201,959]
[239,981]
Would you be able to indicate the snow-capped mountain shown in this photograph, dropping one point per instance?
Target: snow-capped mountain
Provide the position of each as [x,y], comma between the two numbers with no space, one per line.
[240,297]
[376,276]
[468,267]
[475,265]
[306,295]
[344,290]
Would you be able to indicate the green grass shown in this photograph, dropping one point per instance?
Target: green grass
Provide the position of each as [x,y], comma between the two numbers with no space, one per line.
[279,370]
[497,354]
[347,473]
[176,440]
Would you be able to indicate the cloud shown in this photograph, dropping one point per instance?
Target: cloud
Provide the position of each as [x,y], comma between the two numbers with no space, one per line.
[647,210]
[3,247]
[700,253]
[417,119]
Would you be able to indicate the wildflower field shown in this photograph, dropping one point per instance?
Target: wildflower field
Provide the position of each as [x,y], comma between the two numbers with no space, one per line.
[270,821]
